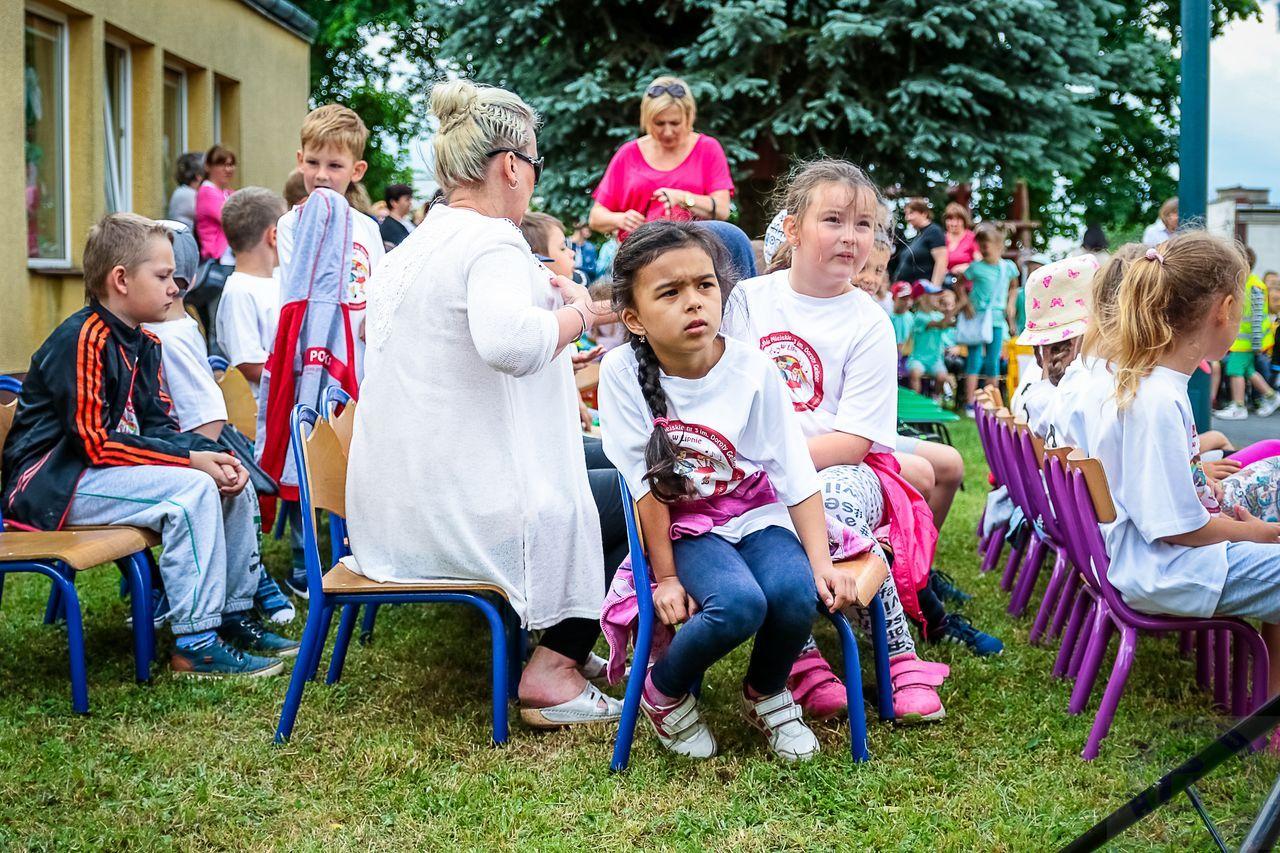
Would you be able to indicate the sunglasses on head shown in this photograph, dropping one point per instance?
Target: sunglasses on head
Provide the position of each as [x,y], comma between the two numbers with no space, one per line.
[536,162]
[675,90]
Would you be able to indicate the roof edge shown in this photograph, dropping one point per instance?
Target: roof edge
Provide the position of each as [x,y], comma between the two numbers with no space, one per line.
[288,16]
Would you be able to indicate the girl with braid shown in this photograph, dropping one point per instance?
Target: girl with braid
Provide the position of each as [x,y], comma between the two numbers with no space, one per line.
[728,498]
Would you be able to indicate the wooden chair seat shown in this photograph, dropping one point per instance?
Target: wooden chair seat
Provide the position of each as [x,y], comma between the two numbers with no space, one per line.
[872,573]
[80,548]
[340,580]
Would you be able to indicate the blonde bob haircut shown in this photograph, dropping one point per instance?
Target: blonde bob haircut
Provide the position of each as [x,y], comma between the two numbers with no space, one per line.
[651,107]
[475,120]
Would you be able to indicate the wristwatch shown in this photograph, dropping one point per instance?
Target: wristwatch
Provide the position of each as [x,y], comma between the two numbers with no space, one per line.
[688,201]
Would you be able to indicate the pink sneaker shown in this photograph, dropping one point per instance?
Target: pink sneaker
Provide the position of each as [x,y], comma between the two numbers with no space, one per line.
[914,698]
[816,688]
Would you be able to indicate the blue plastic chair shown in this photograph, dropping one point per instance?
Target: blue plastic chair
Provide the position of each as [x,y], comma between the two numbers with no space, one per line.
[848,645]
[217,362]
[321,469]
[58,558]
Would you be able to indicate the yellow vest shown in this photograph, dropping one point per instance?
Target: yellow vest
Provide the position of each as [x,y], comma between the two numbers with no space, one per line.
[1244,338]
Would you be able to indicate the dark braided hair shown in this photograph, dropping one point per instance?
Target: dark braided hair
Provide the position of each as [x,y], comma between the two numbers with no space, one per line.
[644,246]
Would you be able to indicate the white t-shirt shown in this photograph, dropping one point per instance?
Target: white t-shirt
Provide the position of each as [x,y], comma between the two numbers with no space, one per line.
[727,425]
[188,380]
[1032,401]
[1147,452]
[366,252]
[837,355]
[247,317]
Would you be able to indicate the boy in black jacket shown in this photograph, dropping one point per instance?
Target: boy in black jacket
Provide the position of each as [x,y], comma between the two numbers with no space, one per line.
[93,443]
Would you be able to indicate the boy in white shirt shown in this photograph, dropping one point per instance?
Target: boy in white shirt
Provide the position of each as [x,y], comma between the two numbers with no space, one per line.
[251,297]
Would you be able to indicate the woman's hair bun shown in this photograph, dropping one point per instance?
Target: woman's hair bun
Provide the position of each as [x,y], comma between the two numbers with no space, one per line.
[453,99]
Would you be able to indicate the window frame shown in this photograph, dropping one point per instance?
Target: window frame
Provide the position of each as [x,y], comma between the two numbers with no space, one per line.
[183,104]
[124,156]
[64,62]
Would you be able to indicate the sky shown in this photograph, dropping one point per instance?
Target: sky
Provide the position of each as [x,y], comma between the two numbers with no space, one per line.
[1244,113]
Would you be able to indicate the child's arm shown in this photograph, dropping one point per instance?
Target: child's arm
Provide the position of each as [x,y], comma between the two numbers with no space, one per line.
[252,371]
[670,600]
[836,589]
[1222,528]
[838,448]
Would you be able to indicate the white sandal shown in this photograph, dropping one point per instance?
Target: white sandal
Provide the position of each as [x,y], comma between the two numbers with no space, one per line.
[589,706]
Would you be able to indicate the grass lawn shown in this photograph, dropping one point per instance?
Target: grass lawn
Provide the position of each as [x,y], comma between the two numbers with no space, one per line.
[397,755]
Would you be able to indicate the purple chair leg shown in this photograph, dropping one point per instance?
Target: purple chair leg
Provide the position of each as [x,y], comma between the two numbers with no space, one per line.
[1221,671]
[1025,584]
[1070,588]
[1073,635]
[1186,644]
[1026,591]
[1099,637]
[994,545]
[1204,647]
[1015,559]
[1239,679]
[1115,689]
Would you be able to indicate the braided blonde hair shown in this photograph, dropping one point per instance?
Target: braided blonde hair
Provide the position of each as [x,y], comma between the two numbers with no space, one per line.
[475,120]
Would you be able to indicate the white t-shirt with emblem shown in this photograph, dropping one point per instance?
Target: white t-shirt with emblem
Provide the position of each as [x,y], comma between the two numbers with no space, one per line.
[366,251]
[837,355]
[197,399]
[727,425]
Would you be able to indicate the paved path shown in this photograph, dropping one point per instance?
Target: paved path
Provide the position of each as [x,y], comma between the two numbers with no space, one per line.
[1253,428]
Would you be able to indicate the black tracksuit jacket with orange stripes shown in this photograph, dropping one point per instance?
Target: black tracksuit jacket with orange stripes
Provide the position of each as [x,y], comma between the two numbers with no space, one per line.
[70,415]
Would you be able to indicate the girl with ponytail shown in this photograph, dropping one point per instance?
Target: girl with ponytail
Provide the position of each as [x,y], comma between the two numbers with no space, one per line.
[729,501]
[1182,543]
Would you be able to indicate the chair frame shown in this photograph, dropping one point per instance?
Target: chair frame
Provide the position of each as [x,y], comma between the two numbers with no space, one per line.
[644,647]
[321,605]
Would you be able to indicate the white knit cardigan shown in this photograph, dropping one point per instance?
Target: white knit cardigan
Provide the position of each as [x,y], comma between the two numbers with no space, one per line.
[466,458]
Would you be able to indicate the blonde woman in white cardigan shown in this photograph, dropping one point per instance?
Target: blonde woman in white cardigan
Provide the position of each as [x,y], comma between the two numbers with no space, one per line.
[466,459]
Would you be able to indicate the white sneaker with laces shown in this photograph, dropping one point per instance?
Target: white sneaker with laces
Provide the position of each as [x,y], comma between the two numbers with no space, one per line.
[680,728]
[1268,405]
[1232,412]
[780,718]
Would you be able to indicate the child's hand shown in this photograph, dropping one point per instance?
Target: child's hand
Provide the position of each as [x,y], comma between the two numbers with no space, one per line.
[582,359]
[837,588]
[217,465]
[238,477]
[1220,469]
[671,602]
[1256,529]
[584,416]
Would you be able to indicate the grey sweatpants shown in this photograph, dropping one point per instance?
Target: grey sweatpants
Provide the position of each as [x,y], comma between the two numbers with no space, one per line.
[210,562]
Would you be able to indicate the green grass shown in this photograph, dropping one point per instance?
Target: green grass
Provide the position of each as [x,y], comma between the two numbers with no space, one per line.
[397,755]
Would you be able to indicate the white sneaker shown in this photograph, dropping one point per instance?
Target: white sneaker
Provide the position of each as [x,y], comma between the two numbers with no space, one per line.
[680,729]
[1232,412]
[779,717]
[1268,405]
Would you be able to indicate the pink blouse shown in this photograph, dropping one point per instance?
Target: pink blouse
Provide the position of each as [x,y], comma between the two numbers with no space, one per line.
[965,252]
[629,181]
[209,202]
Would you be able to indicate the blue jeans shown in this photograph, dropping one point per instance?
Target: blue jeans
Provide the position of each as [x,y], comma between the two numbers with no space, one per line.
[763,585]
[984,359]
[1252,588]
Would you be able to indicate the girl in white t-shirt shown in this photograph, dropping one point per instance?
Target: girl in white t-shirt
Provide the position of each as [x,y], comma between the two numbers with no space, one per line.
[836,351]
[728,498]
[1175,546]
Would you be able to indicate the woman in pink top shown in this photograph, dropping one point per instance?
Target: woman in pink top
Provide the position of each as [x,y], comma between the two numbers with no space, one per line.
[669,173]
[962,249]
[220,167]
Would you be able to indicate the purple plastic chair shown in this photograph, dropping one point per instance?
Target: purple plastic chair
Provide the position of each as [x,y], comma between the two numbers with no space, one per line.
[1002,433]
[989,547]
[1089,497]
[1028,453]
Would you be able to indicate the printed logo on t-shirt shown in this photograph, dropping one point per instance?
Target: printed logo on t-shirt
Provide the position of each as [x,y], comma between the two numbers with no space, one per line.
[800,366]
[360,265]
[1204,491]
[129,420]
[705,458]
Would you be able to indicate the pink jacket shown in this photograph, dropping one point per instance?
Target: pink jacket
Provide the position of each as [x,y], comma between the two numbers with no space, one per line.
[209,202]
[908,526]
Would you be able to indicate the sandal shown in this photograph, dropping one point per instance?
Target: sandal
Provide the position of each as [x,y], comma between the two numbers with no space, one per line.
[589,706]
[816,687]
[914,698]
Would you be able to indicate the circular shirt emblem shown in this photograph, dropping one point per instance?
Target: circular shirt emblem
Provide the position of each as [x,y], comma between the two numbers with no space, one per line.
[705,458]
[801,368]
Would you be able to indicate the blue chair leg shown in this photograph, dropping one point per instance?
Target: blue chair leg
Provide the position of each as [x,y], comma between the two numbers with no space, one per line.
[132,572]
[880,648]
[631,699]
[317,651]
[498,643]
[53,607]
[70,605]
[515,653]
[313,637]
[853,688]
[2,574]
[366,624]
[346,626]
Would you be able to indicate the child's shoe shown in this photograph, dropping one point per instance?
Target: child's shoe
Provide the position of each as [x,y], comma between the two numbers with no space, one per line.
[247,634]
[914,698]
[944,586]
[220,660]
[595,667]
[1232,412]
[297,586]
[816,687]
[959,630]
[781,720]
[159,610]
[679,727]
[1268,405]
[273,604]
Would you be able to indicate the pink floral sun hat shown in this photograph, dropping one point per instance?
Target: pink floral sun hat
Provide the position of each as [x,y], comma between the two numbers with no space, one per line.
[1058,297]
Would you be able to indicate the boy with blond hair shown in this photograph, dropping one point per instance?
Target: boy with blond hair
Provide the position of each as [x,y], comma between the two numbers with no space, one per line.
[93,443]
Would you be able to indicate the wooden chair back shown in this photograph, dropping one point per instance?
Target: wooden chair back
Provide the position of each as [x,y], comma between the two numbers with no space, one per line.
[242,405]
[325,464]
[343,424]
[1096,479]
[7,413]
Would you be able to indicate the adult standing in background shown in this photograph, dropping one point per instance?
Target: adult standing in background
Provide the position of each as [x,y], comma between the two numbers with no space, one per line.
[1162,229]
[188,172]
[220,169]
[396,225]
[926,255]
[961,248]
[672,172]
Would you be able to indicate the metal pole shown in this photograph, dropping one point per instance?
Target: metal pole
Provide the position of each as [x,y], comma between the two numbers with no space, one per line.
[1266,829]
[1193,153]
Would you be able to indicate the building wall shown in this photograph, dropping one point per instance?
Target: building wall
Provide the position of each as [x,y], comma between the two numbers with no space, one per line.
[264,73]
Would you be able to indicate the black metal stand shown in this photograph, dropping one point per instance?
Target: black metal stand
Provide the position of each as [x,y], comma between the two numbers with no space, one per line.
[1266,829]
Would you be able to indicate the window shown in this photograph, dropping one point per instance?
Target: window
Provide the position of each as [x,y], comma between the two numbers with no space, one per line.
[115,115]
[44,81]
[174,142]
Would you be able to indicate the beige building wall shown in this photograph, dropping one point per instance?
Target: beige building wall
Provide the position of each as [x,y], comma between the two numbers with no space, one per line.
[259,68]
